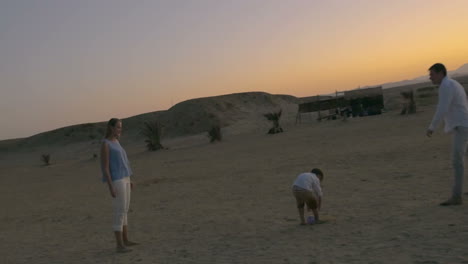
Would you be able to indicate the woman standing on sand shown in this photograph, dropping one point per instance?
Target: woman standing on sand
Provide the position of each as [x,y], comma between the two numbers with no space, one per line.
[116,173]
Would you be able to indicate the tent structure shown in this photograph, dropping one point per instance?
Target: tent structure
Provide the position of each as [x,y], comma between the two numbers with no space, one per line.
[359,102]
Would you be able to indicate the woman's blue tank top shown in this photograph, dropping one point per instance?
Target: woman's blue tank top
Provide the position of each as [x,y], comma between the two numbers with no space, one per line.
[119,165]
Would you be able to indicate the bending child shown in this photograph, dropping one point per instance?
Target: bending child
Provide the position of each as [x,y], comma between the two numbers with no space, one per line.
[307,190]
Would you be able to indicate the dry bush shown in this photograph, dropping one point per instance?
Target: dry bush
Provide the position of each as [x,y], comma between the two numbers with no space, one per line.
[215,134]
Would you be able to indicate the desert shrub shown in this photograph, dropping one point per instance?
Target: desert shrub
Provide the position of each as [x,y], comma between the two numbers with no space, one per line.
[229,106]
[88,125]
[427,89]
[274,117]
[152,133]
[45,158]
[426,95]
[215,133]
[410,105]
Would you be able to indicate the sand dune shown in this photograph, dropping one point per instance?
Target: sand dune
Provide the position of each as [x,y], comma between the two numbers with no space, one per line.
[236,113]
[230,202]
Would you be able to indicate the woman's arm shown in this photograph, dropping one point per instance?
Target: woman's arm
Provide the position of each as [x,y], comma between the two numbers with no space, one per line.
[105,167]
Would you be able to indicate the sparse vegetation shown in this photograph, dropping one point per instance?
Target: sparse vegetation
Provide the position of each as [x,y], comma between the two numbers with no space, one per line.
[274,117]
[152,133]
[427,89]
[215,133]
[88,125]
[95,156]
[426,95]
[45,158]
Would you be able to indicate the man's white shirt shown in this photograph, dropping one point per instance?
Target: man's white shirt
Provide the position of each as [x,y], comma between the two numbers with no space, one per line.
[452,106]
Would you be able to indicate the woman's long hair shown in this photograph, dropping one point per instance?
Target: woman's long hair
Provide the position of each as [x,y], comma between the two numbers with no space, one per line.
[111,124]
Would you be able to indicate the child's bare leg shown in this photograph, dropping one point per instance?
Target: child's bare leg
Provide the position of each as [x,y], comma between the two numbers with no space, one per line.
[316,214]
[301,215]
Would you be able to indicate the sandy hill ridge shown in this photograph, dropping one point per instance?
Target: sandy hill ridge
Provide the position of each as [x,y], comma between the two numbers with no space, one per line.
[235,113]
[229,111]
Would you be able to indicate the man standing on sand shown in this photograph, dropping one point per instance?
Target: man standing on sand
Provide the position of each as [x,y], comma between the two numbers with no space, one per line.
[452,107]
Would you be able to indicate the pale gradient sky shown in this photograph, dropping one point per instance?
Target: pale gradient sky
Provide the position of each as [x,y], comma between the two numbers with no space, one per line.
[65,62]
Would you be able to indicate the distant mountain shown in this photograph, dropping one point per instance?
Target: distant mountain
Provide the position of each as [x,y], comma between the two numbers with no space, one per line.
[463,70]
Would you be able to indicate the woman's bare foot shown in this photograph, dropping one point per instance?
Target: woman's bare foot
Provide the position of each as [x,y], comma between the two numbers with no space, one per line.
[123,249]
[130,243]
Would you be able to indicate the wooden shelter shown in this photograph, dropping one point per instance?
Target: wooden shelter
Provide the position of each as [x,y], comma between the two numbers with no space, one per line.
[366,101]
[359,102]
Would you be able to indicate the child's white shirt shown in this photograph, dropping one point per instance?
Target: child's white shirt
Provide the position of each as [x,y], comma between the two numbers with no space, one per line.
[310,182]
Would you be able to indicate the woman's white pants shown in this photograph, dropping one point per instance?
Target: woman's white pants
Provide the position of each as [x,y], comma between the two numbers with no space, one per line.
[120,203]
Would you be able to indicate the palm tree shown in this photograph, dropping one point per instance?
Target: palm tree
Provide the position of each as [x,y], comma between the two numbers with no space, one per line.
[45,158]
[152,132]
[215,133]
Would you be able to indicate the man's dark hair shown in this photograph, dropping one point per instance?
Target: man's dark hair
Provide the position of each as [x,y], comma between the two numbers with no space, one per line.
[317,172]
[438,67]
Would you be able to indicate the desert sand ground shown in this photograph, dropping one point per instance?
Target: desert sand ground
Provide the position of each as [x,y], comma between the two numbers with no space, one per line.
[231,202]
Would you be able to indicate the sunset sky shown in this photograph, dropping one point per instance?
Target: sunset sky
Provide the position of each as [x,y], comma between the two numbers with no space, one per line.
[65,62]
